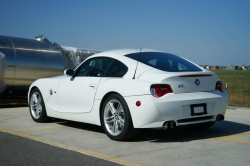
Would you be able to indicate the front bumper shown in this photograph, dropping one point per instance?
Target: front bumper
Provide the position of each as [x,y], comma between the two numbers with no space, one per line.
[153,112]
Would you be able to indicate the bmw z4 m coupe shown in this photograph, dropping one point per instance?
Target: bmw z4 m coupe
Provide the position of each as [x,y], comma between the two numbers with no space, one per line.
[126,90]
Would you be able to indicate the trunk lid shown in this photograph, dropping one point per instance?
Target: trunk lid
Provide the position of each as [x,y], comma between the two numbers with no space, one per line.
[182,82]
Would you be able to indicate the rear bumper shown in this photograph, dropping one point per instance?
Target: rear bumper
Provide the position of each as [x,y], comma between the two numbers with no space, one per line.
[153,112]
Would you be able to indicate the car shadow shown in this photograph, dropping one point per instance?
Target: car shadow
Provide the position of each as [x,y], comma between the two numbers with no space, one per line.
[183,134]
[178,134]
[83,126]
[12,105]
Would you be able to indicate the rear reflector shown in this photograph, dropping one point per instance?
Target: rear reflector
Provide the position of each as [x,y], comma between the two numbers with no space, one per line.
[219,86]
[199,75]
[138,103]
[159,90]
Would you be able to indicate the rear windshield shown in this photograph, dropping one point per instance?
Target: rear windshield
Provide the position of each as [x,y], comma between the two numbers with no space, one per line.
[164,61]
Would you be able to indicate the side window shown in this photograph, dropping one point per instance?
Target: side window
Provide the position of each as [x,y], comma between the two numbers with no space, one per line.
[117,69]
[164,61]
[95,67]
[170,62]
[182,67]
[153,62]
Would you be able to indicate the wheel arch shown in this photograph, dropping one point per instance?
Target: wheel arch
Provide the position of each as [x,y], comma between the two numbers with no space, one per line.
[104,98]
[31,89]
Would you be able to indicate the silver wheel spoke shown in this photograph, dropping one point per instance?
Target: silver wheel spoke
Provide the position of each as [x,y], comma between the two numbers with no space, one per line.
[116,127]
[39,100]
[38,110]
[121,112]
[113,117]
[109,120]
[113,127]
[121,121]
[112,108]
[118,109]
[35,98]
[33,106]
[36,113]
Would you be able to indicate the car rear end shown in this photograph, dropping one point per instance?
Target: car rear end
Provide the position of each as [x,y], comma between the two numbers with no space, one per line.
[178,97]
[191,108]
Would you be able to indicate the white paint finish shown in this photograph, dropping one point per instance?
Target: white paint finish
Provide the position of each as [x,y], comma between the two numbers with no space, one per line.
[52,101]
[145,114]
[173,106]
[141,69]
[76,95]
[79,101]
[123,86]
[45,85]
[90,117]
[173,79]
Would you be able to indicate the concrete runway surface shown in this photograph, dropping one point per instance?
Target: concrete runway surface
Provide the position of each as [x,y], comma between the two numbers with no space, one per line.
[60,142]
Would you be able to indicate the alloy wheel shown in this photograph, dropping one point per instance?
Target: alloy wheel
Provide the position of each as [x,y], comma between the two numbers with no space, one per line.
[36,105]
[114,117]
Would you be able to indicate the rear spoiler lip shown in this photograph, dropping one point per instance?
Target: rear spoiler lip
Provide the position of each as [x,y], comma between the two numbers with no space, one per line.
[197,75]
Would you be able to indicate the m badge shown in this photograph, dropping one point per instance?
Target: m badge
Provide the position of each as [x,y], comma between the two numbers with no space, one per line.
[181,86]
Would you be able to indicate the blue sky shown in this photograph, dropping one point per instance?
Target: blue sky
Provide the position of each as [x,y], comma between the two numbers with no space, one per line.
[213,32]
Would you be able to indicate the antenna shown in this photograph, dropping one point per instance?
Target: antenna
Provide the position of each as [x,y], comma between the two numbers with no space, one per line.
[137,63]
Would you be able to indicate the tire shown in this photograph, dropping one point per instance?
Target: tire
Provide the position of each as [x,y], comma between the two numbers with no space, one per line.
[37,107]
[201,126]
[118,125]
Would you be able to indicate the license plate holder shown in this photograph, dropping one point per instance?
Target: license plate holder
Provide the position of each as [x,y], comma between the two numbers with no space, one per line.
[196,109]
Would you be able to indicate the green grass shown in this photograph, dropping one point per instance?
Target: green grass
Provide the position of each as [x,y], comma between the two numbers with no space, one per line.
[238,86]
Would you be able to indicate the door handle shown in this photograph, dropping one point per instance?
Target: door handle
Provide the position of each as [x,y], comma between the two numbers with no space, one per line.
[92,85]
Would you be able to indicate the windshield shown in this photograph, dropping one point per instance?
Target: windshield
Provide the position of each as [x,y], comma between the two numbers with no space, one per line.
[164,61]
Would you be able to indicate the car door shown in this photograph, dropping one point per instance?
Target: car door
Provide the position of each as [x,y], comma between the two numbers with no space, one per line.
[76,94]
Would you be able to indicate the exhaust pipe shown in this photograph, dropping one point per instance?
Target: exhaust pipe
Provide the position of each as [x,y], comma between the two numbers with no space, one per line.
[220,117]
[169,124]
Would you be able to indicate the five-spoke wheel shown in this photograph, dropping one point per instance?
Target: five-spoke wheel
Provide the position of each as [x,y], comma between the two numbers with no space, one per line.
[37,108]
[116,119]
[35,105]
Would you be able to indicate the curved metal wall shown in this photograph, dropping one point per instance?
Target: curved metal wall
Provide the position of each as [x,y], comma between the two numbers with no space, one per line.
[22,61]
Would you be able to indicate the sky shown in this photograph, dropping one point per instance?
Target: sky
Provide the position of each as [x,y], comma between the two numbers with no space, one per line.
[207,32]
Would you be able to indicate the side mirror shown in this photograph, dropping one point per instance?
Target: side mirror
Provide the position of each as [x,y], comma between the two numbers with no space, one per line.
[69,72]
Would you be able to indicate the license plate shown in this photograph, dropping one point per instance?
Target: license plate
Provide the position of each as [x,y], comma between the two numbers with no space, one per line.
[198,109]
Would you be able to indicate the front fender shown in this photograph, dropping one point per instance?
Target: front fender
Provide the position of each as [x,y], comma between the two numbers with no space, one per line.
[45,85]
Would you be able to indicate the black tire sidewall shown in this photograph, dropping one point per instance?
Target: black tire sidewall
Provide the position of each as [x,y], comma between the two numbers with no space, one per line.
[43,117]
[128,126]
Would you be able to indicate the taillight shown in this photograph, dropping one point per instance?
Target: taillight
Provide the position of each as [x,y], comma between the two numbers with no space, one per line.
[159,90]
[219,86]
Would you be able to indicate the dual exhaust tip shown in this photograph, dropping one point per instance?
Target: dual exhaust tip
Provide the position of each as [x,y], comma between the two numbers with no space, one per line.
[172,124]
[220,117]
[169,124]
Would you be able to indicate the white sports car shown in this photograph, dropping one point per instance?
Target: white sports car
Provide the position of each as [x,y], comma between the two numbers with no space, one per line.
[125,90]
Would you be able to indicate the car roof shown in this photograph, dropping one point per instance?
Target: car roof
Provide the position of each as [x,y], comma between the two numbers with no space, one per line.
[121,52]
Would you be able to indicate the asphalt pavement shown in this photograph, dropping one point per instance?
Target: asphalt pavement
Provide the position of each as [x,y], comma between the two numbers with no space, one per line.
[60,142]
[16,150]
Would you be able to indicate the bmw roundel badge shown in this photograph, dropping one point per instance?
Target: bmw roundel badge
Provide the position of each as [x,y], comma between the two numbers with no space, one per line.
[197,82]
